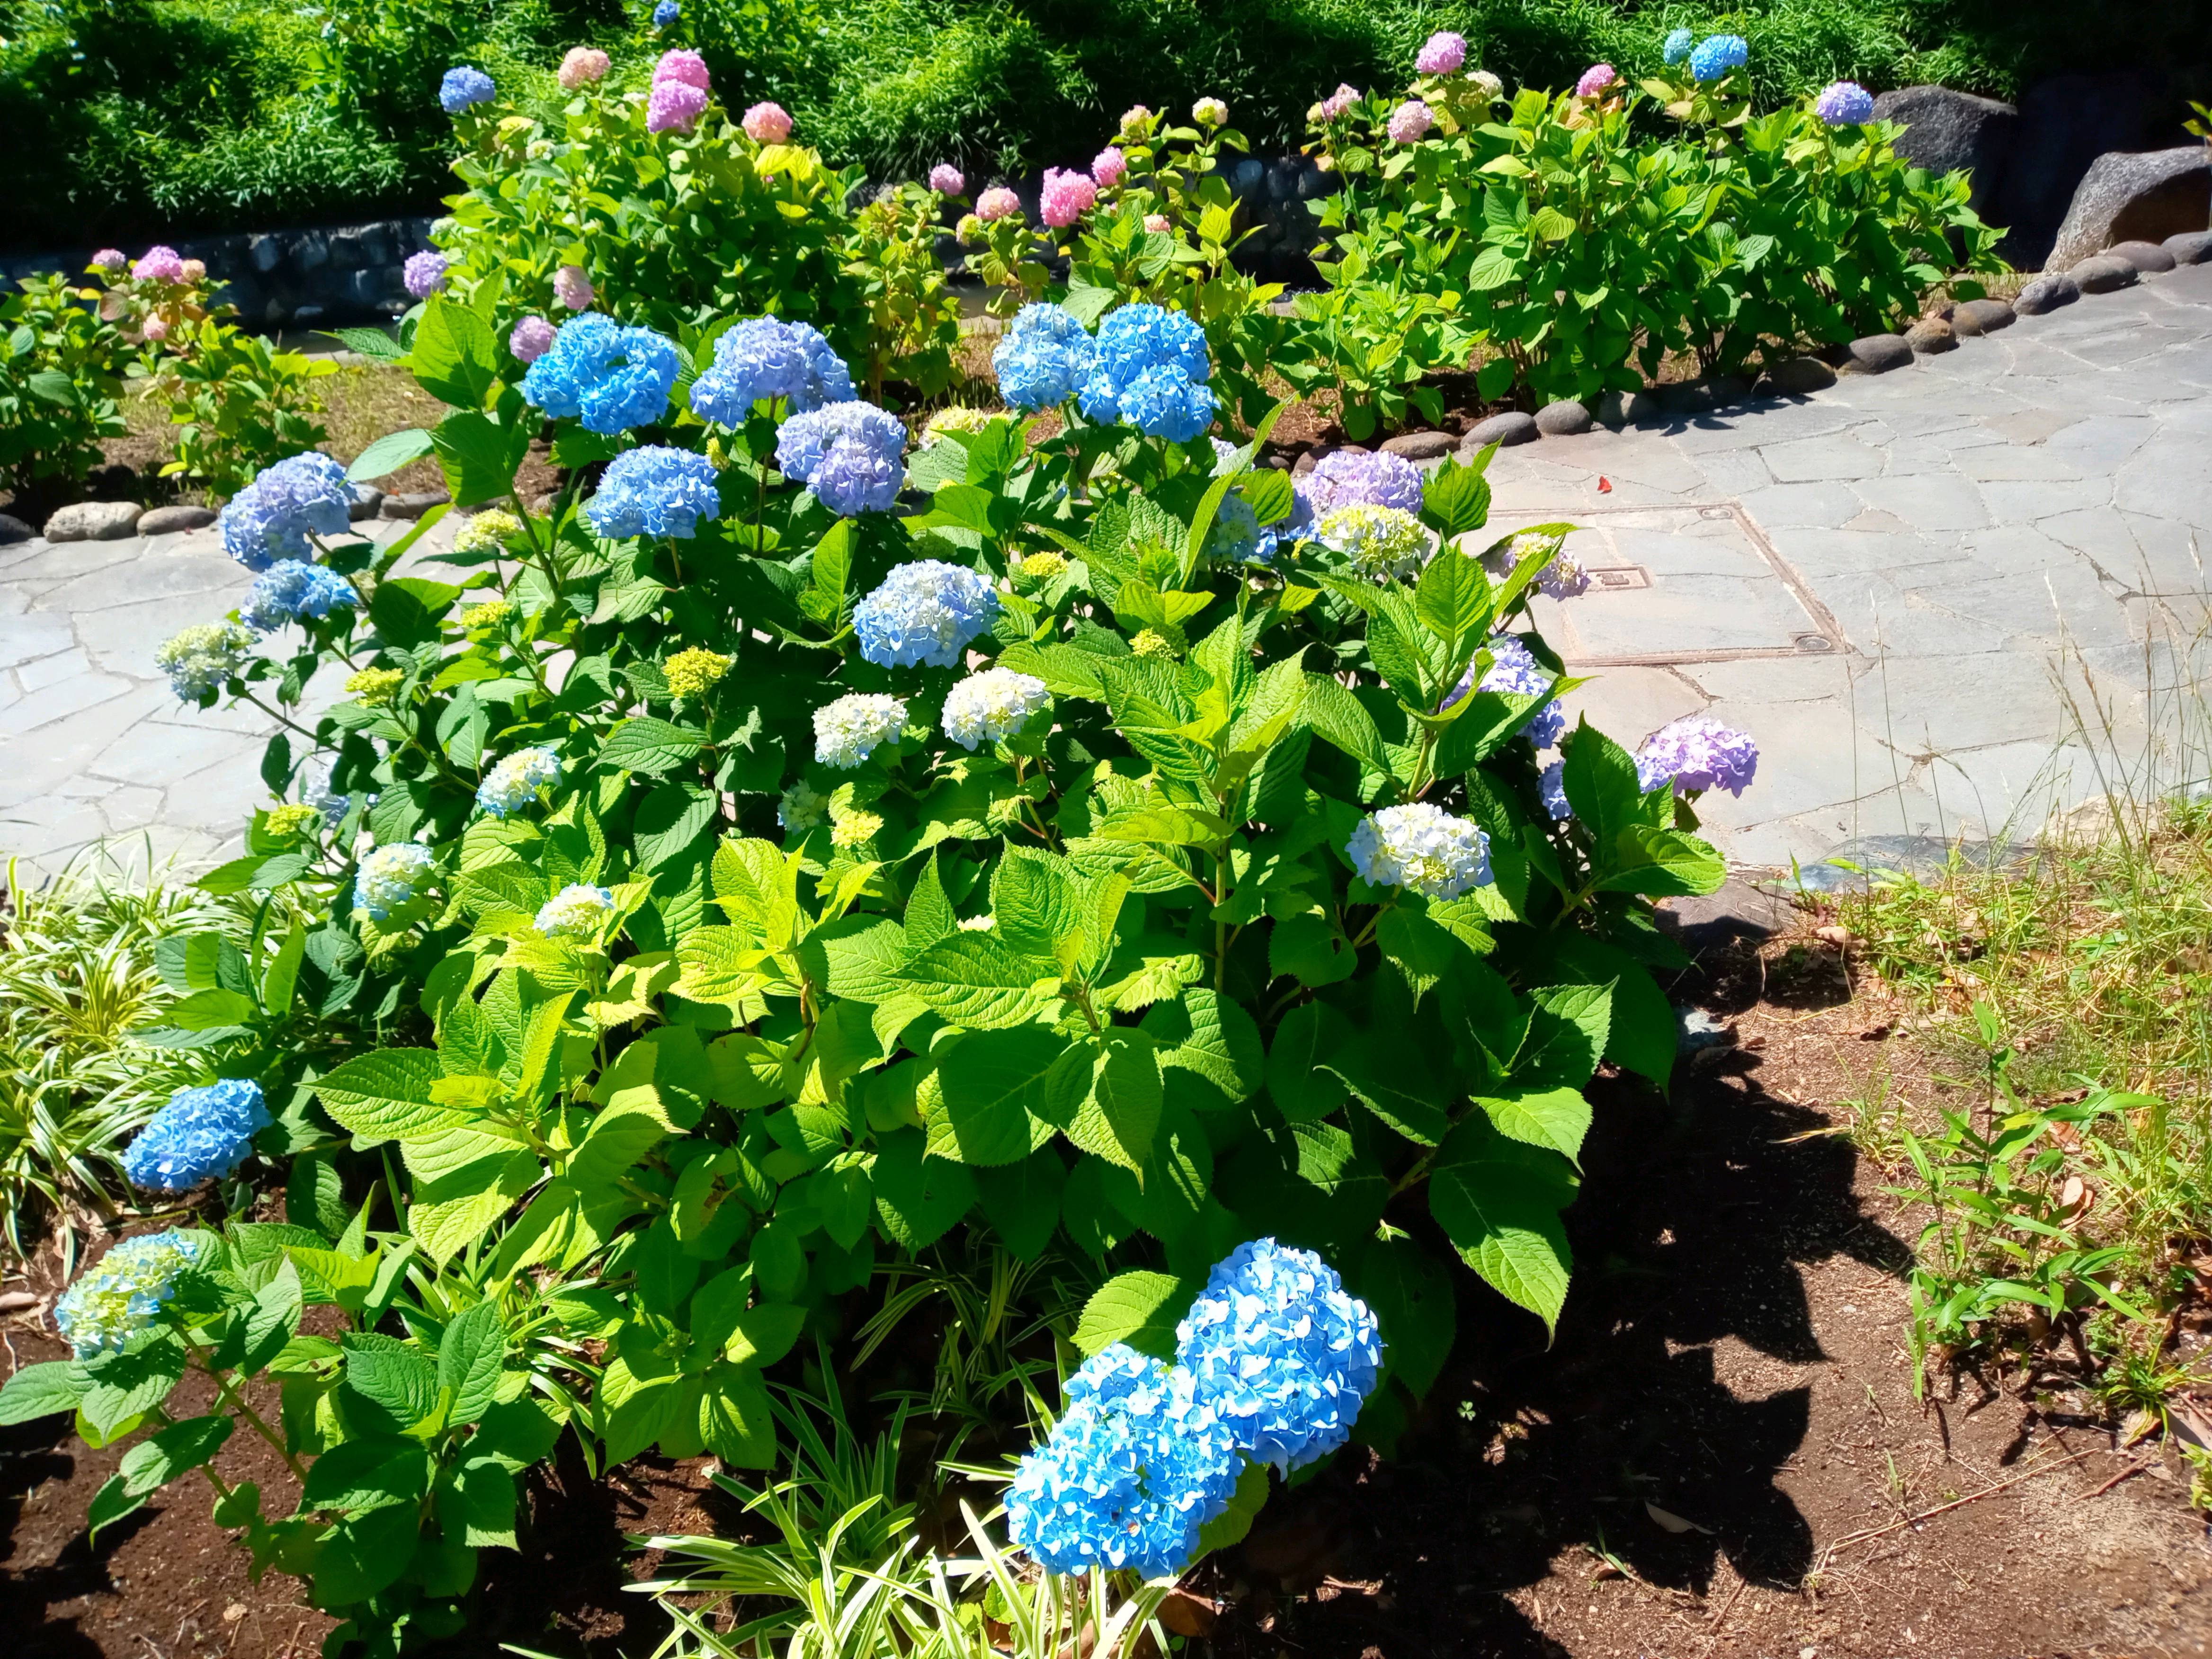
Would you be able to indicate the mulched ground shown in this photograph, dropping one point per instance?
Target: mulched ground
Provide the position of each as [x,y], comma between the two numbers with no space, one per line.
[1720,1455]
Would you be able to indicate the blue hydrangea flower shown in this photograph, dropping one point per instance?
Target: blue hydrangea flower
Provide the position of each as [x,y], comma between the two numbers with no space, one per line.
[1280,1351]
[514,781]
[315,791]
[121,1294]
[1844,103]
[851,455]
[654,491]
[290,590]
[609,377]
[1676,47]
[665,14]
[1697,753]
[272,517]
[925,612]
[1420,847]
[200,1133]
[389,877]
[464,87]
[1043,357]
[1138,1464]
[1150,372]
[1235,537]
[1717,54]
[576,910]
[763,357]
[992,705]
[204,658]
[1552,784]
[848,730]
[1353,477]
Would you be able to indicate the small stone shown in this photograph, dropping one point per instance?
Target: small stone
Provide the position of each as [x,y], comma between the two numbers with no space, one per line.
[168,520]
[1305,464]
[367,499]
[544,505]
[413,504]
[1564,419]
[1504,430]
[2189,247]
[1797,376]
[1877,354]
[13,529]
[1420,445]
[1626,408]
[1931,335]
[2104,274]
[2150,259]
[2046,294]
[1686,397]
[1728,390]
[1981,317]
[94,521]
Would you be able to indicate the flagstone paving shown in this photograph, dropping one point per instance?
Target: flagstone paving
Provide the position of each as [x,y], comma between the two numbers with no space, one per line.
[1898,587]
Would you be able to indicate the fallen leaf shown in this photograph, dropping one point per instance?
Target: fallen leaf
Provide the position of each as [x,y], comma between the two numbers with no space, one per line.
[1185,1614]
[2142,1423]
[1672,1522]
[2188,1426]
[1833,935]
[2075,1198]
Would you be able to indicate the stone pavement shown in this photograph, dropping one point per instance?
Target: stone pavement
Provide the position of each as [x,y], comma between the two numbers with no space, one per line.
[1881,583]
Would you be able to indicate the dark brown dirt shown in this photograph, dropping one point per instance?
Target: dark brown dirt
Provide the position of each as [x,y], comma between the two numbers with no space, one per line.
[1719,1457]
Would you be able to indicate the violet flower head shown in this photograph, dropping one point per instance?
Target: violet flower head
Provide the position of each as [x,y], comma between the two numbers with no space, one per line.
[1334,107]
[1410,122]
[766,123]
[109,259]
[424,274]
[850,454]
[947,180]
[1595,79]
[686,66]
[571,288]
[673,107]
[1442,53]
[1844,103]
[766,357]
[1697,752]
[532,339]
[1067,196]
[1351,478]
[160,263]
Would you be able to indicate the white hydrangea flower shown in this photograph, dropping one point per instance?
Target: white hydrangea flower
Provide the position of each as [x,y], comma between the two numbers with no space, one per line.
[801,808]
[389,876]
[1382,542]
[576,910]
[975,924]
[995,704]
[849,730]
[1422,848]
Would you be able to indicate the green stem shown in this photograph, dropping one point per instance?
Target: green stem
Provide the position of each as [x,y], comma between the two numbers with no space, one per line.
[283,720]
[236,1402]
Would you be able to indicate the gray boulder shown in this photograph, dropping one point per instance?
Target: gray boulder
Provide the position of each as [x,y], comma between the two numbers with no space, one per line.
[1981,317]
[1563,419]
[13,529]
[168,520]
[2150,259]
[2046,294]
[1877,354]
[1946,131]
[2191,248]
[1687,398]
[367,499]
[2065,124]
[1421,446]
[1930,336]
[2106,274]
[2147,196]
[1504,430]
[1626,408]
[412,506]
[94,521]
[1797,377]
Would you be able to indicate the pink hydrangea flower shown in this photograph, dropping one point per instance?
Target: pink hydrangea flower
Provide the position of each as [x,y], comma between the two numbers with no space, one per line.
[1107,167]
[159,265]
[946,180]
[1595,79]
[1337,102]
[111,258]
[1067,196]
[767,124]
[583,64]
[155,329]
[689,67]
[673,105]
[1156,223]
[572,287]
[1135,116]
[1443,53]
[195,270]
[997,202]
[532,339]
[1410,122]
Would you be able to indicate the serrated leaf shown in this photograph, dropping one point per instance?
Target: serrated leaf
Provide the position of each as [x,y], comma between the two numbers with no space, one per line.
[1141,1309]
[386,1096]
[1499,1200]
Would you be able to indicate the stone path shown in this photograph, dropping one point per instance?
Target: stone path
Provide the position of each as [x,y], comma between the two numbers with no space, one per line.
[1880,583]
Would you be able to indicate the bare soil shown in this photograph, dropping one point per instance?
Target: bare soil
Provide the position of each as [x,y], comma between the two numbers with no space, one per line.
[1720,1455]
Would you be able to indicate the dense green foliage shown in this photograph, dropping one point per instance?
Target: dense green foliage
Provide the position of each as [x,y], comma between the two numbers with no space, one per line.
[128,115]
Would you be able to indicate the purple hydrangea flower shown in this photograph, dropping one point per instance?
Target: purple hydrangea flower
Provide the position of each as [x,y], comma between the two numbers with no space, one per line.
[1150,372]
[673,107]
[1442,53]
[1514,672]
[852,455]
[1351,478]
[765,357]
[532,339]
[199,1132]
[1595,79]
[1697,753]
[1410,122]
[609,377]
[1844,103]
[160,263]
[424,274]
[1552,784]
[947,180]
[654,491]
[463,88]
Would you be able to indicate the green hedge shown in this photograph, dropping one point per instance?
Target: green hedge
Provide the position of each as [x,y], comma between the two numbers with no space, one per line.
[131,118]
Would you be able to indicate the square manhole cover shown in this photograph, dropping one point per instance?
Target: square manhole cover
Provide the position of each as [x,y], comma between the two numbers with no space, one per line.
[1676,584]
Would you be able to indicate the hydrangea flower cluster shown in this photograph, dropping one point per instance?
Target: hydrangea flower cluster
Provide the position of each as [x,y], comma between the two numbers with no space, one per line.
[1552,784]
[765,357]
[463,88]
[1210,113]
[1422,848]
[200,1133]
[766,123]
[572,287]
[159,264]
[1410,122]
[288,821]
[956,420]
[675,103]
[582,65]
[1042,357]
[1697,752]
[1382,542]
[1149,372]
[204,658]
[925,612]
[121,1294]
[1563,577]
[1595,79]
[1348,477]
[849,730]
[290,590]
[486,532]
[852,828]
[801,807]
[997,202]
[851,455]
[1844,103]
[1514,672]
[1150,642]
[654,491]
[1717,54]
[610,377]
[695,671]
[1109,167]
[424,274]
[1442,53]
[992,705]
[1236,536]
[1333,107]
[1130,1474]
[576,910]
[272,518]
[1676,47]
[109,259]
[1042,566]
[1065,198]
[315,791]
[1280,1351]
[514,780]
[665,14]
[375,686]
[947,180]
[389,877]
